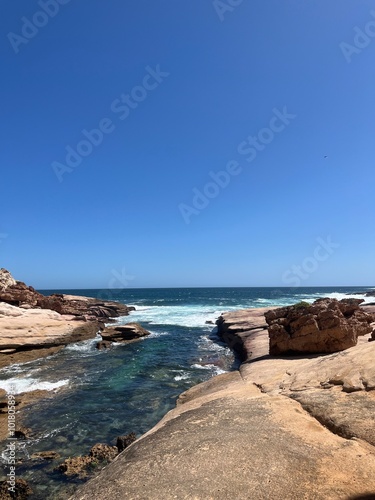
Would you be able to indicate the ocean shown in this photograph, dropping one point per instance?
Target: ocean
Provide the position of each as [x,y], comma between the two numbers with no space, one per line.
[99,395]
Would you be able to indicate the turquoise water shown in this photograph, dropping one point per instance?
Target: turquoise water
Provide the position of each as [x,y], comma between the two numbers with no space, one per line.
[98,395]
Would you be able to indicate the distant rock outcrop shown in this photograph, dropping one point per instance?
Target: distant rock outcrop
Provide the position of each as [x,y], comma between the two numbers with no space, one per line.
[326,326]
[17,293]
[34,325]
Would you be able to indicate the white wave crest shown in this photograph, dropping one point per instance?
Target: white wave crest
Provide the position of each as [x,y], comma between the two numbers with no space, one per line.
[20,385]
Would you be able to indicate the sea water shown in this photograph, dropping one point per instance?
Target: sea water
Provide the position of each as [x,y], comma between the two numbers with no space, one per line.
[95,396]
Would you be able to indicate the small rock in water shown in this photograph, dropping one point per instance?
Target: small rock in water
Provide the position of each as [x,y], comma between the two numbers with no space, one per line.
[22,490]
[45,455]
[81,466]
[103,344]
[22,433]
[125,441]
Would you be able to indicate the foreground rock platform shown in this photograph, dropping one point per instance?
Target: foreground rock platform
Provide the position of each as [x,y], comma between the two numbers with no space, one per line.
[280,427]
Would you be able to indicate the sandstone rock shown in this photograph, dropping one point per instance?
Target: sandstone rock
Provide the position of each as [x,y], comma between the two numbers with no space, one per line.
[121,333]
[39,328]
[125,441]
[18,294]
[328,325]
[239,329]
[22,490]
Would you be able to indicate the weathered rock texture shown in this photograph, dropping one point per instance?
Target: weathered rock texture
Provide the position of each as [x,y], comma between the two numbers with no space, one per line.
[291,428]
[328,325]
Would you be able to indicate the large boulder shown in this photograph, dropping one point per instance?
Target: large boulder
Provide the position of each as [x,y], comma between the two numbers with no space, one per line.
[130,331]
[326,326]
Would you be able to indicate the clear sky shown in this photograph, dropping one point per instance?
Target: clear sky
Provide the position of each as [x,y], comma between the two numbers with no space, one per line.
[277,94]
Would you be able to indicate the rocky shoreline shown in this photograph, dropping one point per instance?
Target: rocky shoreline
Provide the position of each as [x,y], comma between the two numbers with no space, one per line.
[33,326]
[289,426]
[296,420]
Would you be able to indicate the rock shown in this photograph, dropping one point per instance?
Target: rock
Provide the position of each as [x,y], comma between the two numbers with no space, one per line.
[103,344]
[45,455]
[125,441]
[18,294]
[76,466]
[23,433]
[281,427]
[33,325]
[326,326]
[209,322]
[121,333]
[239,329]
[103,452]
[237,443]
[22,490]
[99,455]
[48,329]
[6,279]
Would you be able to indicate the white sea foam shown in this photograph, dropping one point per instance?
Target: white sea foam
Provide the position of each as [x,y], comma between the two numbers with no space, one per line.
[217,370]
[182,376]
[189,316]
[19,385]
[85,346]
[340,296]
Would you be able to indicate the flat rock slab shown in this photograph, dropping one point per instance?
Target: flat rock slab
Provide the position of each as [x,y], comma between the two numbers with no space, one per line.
[237,443]
[130,331]
[37,328]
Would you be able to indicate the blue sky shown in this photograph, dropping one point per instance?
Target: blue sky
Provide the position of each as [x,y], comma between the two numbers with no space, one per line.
[180,89]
